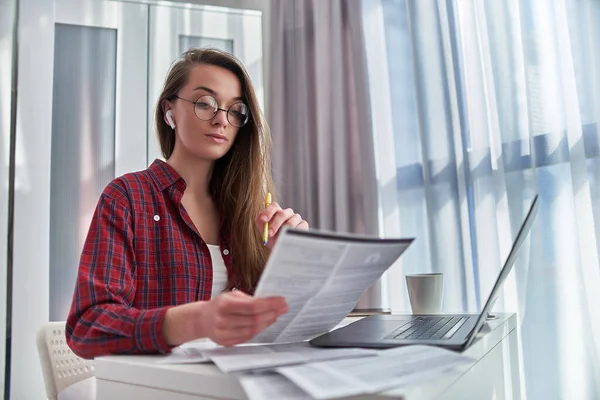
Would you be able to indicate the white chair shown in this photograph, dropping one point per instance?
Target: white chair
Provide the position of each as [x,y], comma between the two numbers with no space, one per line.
[62,369]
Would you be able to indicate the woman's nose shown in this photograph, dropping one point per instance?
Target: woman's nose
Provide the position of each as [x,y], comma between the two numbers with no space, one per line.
[221,117]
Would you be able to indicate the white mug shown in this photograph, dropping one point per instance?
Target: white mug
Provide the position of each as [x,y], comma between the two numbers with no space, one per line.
[425,292]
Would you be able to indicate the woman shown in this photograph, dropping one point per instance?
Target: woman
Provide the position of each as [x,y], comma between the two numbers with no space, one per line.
[174,252]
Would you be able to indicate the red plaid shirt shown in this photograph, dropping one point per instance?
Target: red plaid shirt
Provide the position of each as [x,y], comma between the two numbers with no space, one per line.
[142,255]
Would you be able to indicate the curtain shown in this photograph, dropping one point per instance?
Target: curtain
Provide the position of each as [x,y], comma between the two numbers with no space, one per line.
[320,118]
[320,121]
[478,106]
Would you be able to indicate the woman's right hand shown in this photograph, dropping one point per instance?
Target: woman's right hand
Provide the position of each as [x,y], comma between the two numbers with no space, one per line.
[230,318]
[235,317]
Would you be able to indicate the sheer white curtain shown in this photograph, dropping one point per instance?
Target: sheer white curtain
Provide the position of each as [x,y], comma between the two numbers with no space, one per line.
[477,106]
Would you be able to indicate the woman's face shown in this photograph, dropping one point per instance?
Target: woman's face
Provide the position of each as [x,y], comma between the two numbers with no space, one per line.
[208,139]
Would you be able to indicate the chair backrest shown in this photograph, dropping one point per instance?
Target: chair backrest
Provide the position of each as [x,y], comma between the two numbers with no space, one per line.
[60,366]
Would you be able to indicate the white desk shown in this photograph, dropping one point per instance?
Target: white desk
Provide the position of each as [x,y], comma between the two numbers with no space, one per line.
[496,374]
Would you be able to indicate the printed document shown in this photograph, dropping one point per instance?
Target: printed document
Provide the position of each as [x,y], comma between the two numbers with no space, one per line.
[322,276]
[257,356]
[395,368]
[189,353]
[252,358]
[270,385]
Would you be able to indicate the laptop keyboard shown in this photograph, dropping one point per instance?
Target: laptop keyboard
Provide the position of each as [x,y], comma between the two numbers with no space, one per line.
[428,328]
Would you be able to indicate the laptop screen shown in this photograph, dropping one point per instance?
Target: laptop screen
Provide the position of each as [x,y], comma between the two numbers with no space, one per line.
[510,260]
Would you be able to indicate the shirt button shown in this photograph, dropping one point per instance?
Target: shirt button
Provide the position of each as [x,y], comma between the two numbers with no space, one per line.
[226,252]
[156,218]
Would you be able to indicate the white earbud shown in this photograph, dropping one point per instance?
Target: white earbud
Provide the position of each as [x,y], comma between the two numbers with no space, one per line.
[169,116]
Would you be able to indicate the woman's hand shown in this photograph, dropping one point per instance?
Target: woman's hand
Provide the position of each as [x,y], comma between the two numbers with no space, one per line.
[230,318]
[278,217]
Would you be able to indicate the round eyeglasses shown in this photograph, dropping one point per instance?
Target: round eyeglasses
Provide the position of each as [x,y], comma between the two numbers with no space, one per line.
[206,108]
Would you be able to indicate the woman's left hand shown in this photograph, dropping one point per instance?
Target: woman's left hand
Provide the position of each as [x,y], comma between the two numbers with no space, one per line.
[278,217]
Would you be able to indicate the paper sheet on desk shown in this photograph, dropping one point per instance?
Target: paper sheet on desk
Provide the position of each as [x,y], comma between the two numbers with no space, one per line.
[395,368]
[257,357]
[322,277]
[271,385]
[189,353]
[237,359]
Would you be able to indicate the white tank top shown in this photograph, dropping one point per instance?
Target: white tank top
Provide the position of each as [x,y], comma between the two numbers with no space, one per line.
[219,270]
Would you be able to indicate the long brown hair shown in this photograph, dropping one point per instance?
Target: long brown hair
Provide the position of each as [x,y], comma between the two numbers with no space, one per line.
[242,177]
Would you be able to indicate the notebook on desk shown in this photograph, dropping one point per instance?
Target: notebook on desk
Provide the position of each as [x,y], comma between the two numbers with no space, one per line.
[452,331]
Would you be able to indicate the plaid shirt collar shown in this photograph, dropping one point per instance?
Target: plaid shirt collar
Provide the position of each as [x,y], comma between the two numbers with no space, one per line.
[165,176]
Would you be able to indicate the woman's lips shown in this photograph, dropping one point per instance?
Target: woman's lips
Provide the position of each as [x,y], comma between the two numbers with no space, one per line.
[217,138]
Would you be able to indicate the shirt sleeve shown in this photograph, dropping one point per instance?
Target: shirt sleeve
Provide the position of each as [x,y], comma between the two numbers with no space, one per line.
[102,320]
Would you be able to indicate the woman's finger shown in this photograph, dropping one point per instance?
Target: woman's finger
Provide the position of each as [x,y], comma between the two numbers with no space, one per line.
[246,321]
[238,335]
[294,221]
[278,220]
[267,214]
[303,225]
[230,305]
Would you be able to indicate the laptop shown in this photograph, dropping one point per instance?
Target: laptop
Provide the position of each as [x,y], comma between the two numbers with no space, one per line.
[451,331]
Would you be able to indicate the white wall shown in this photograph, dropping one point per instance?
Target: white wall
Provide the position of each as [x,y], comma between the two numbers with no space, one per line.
[6,41]
[32,182]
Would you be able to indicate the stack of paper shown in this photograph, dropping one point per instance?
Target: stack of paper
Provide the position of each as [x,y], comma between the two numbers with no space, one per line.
[252,358]
[395,368]
[257,357]
[299,371]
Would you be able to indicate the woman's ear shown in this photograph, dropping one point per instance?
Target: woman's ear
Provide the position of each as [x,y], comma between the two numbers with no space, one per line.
[169,116]
[166,107]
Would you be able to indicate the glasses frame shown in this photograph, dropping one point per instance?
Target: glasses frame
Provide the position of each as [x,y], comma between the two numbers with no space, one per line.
[217,109]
